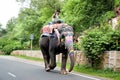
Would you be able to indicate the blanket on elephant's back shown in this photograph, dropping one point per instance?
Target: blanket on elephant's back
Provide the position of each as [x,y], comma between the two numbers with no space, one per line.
[47,29]
[63,28]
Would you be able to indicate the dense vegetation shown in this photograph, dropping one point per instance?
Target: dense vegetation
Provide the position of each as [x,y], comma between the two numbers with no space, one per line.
[83,15]
[96,41]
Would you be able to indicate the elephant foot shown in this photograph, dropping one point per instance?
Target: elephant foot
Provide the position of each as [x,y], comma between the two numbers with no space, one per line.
[52,67]
[47,69]
[64,72]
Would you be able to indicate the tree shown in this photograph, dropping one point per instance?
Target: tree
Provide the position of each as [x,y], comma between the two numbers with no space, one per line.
[2,31]
[11,24]
[83,14]
[0,24]
[32,18]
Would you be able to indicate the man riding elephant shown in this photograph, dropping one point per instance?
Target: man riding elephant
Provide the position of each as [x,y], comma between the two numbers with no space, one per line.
[50,48]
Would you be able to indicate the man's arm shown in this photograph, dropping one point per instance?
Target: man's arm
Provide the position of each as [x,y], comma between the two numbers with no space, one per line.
[58,34]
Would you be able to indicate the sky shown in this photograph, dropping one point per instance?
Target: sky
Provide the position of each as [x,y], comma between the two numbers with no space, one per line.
[8,9]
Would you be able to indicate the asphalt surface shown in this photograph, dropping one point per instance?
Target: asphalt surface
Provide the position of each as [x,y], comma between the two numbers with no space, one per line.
[12,68]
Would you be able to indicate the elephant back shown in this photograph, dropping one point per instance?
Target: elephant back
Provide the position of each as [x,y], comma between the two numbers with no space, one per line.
[65,30]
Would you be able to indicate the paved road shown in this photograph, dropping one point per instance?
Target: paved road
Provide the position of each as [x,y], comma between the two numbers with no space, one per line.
[18,69]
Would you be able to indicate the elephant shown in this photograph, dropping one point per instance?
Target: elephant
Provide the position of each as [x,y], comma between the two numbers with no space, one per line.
[50,48]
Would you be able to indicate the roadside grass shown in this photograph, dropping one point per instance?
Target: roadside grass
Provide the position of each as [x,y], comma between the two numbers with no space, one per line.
[1,54]
[28,57]
[104,73]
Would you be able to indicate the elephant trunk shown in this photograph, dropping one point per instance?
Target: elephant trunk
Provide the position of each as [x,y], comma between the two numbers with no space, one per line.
[69,46]
[71,55]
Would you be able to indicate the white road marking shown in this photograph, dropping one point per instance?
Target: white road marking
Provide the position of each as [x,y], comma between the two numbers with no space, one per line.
[86,76]
[11,74]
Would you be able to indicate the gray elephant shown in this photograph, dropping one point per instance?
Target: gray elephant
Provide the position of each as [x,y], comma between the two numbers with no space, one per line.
[50,48]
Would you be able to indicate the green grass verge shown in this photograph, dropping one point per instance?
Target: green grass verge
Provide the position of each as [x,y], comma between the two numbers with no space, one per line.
[28,57]
[107,73]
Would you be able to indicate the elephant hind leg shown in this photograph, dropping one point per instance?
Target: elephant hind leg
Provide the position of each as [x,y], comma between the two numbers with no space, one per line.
[46,59]
[44,46]
[52,60]
[52,67]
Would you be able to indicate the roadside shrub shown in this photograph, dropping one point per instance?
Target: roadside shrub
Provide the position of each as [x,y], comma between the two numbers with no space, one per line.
[76,46]
[98,40]
[10,47]
[7,49]
[3,43]
[93,45]
[7,46]
[115,41]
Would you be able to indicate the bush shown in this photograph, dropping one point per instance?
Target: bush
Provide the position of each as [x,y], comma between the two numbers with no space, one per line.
[3,43]
[7,49]
[98,40]
[10,47]
[7,46]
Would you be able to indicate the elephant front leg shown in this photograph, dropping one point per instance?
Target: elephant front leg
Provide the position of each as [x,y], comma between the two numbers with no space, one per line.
[63,65]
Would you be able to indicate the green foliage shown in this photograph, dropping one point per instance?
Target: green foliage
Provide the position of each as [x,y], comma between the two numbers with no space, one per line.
[31,19]
[82,14]
[11,24]
[7,46]
[3,42]
[98,40]
[115,41]
[2,31]
[105,17]
[76,46]
[117,3]
[10,47]
[93,44]
[0,25]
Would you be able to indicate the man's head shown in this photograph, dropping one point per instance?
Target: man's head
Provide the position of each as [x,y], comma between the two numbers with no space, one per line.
[57,11]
